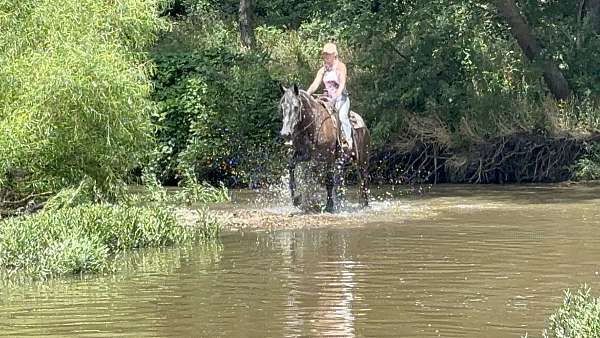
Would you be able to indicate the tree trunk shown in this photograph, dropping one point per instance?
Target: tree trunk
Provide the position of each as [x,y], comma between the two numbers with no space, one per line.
[558,85]
[246,22]
[592,9]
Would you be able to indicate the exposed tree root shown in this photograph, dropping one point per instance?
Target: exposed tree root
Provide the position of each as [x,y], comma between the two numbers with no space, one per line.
[11,205]
[516,158]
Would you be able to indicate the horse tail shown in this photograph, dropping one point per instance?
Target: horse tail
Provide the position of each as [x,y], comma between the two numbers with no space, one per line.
[362,141]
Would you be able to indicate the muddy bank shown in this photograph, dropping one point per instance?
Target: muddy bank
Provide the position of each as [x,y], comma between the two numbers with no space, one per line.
[516,158]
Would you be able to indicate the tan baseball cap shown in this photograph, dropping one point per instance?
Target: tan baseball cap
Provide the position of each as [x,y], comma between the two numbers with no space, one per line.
[330,48]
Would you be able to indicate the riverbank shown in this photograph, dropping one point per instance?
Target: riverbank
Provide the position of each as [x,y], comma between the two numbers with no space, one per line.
[523,157]
[86,238]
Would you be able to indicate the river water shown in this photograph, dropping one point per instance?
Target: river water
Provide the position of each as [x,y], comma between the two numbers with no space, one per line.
[448,261]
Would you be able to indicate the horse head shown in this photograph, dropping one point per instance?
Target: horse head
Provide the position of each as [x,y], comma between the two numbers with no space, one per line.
[290,107]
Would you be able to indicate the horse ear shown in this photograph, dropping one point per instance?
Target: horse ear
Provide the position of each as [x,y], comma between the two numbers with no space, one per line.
[296,91]
[282,88]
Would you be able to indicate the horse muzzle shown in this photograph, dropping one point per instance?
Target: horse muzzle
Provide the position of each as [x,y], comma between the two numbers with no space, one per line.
[285,134]
[287,137]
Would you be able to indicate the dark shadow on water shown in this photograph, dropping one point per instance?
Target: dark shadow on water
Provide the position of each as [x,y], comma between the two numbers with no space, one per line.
[522,193]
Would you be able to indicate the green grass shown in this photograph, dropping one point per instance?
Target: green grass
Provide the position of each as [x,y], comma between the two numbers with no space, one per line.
[84,238]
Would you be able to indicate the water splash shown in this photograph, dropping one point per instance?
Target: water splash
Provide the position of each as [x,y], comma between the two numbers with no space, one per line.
[275,198]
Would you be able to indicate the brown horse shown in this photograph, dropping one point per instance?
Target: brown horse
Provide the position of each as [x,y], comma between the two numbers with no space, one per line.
[314,137]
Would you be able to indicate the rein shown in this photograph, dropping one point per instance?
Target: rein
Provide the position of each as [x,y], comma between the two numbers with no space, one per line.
[303,116]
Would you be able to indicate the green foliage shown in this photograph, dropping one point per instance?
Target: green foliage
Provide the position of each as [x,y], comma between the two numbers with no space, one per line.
[453,61]
[577,317]
[444,59]
[153,190]
[81,239]
[294,55]
[588,166]
[217,104]
[274,13]
[580,114]
[74,89]
[71,197]
[190,192]
[208,225]
[74,94]
[291,13]
[569,38]
[243,117]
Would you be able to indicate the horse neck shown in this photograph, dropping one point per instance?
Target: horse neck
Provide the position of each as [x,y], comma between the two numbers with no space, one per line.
[310,115]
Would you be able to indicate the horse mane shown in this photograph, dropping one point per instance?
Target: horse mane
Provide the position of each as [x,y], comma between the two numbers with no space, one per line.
[313,103]
[307,97]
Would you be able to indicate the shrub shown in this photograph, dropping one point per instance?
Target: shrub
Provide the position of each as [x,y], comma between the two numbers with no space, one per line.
[74,91]
[190,192]
[83,238]
[577,317]
[588,166]
[217,113]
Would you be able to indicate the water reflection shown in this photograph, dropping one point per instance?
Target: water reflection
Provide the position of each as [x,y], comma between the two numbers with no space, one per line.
[319,302]
[124,303]
[334,316]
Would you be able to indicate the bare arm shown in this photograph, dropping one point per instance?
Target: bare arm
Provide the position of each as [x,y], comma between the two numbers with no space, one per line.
[316,82]
[342,74]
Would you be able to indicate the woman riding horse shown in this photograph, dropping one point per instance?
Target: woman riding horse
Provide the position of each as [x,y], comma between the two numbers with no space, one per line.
[333,75]
[313,134]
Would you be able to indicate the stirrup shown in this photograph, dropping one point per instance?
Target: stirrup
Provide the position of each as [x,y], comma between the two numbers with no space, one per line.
[346,149]
[346,145]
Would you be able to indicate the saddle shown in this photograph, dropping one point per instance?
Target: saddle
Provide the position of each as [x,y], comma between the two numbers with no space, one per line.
[356,120]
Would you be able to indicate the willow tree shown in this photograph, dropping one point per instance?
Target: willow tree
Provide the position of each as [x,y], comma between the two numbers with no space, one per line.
[74,91]
[532,49]
[591,10]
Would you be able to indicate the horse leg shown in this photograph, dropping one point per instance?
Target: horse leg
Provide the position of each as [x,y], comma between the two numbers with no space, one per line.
[330,184]
[295,198]
[363,173]
[339,177]
[363,144]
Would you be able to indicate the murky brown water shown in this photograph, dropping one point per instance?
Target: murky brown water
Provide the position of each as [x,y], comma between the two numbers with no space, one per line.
[457,261]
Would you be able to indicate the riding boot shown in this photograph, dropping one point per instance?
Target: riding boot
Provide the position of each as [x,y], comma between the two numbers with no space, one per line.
[345,155]
[347,148]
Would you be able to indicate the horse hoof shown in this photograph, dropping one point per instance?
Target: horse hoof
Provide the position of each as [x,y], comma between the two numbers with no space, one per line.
[296,200]
[329,208]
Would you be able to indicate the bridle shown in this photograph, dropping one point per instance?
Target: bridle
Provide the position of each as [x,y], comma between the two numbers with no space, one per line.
[300,109]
